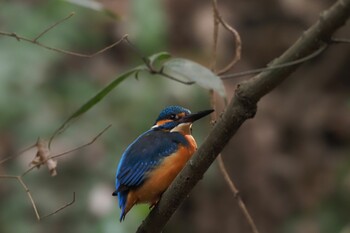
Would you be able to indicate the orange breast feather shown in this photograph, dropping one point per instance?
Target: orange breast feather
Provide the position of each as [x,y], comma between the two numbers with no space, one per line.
[161,177]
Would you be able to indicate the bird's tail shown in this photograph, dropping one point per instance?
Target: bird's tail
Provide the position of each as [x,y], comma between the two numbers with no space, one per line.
[122,196]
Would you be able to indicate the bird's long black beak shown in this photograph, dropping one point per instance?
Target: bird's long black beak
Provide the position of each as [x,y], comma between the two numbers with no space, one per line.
[196,116]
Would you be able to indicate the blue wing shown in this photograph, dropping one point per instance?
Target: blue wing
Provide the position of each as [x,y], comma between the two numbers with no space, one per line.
[143,155]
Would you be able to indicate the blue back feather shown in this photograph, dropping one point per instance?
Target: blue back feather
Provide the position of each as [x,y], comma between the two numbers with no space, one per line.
[141,157]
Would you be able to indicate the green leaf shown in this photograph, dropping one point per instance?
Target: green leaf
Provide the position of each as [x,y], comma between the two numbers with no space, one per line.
[157,60]
[181,69]
[93,101]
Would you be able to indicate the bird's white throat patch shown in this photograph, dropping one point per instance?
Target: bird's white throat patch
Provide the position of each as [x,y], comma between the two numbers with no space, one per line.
[184,128]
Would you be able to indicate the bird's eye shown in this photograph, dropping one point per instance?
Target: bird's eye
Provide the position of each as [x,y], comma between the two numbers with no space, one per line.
[174,117]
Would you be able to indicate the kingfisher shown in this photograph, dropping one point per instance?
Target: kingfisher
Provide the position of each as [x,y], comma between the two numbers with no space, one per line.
[150,163]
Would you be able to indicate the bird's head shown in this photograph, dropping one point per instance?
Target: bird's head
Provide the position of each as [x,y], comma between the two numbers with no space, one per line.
[178,119]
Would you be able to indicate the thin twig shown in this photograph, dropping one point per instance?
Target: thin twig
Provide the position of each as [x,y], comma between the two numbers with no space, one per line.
[16,155]
[236,38]
[29,196]
[108,47]
[67,152]
[52,26]
[228,180]
[30,169]
[14,35]
[20,180]
[82,146]
[26,189]
[237,56]
[235,192]
[340,40]
[162,73]
[287,64]
[36,42]
[61,208]
[139,53]
[175,79]
[149,66]
[215,36]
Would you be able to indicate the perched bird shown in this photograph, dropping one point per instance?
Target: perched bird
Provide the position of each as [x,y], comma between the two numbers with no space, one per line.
[152,161]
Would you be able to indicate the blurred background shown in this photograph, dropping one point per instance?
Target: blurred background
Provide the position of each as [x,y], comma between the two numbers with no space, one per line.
[291,162]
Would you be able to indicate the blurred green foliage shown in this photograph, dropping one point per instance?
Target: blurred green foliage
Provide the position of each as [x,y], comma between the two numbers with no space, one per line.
[39,89]
[148,25]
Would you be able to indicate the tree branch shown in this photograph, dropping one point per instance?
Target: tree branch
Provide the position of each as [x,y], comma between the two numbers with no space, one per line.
[241,108]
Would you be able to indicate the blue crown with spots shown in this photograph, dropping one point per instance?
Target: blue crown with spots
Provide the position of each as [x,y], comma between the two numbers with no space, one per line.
[170,110]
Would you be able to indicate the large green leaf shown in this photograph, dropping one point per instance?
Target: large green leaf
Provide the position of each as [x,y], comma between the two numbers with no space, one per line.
[181,69]
[178,68]
[93,101]
[157,58]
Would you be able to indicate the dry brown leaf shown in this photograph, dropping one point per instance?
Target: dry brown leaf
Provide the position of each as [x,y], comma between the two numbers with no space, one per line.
[43,157]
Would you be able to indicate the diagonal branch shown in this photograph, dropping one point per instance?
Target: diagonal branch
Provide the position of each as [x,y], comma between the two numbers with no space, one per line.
[241,108]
